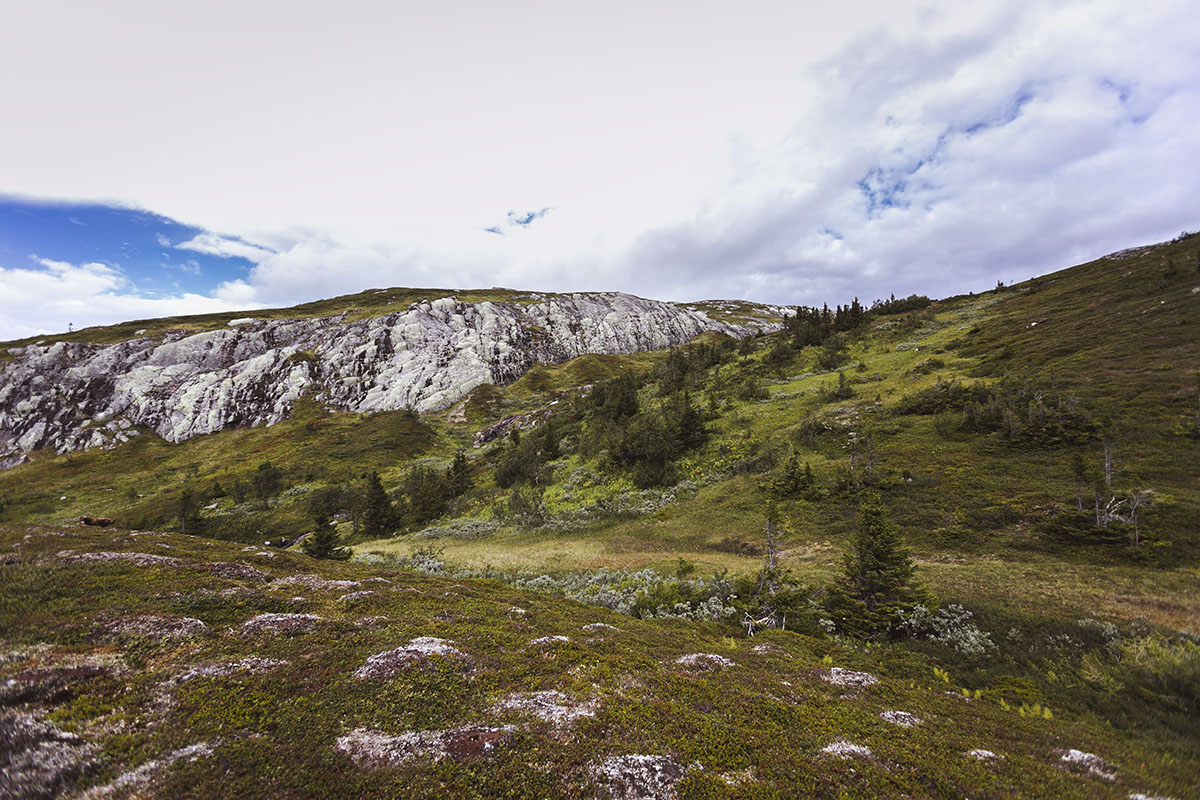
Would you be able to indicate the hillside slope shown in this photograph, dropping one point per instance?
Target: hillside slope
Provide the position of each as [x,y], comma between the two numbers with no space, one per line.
[69,394]
[1036,445]
[160,665]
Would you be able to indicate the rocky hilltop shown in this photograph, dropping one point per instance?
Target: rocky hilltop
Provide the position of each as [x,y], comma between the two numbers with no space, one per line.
[75,395]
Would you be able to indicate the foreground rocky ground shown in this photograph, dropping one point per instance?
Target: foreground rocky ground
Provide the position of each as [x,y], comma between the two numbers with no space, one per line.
[138,664]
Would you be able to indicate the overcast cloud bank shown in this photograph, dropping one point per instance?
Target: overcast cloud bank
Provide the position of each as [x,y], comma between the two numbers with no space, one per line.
[951,148]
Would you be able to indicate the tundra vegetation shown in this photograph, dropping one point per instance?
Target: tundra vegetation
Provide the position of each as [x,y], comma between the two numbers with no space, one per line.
[902,548]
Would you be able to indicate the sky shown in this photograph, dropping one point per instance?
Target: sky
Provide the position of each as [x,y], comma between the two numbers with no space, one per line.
[170,158]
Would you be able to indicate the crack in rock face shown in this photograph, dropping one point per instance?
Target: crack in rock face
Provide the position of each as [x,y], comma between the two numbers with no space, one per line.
[386,664]
[639,777]
[373,749]
[38,760]
[71,396]
[845,677]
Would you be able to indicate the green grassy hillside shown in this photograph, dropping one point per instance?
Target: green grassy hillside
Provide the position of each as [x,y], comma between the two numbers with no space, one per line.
[1038,447]
[171,666]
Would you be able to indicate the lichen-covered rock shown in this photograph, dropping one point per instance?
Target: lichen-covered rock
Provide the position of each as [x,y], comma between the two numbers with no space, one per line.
[137,559]
[250,664]
[37,759]
[234,571]
[386,664]
[1083,763]
[639,777]
[137,781]
[315,582]
[983,755]
[157,626]
[376,750]
[845,750]
[549,706]
[286,624]
[704,662]
[901,718]
[846,677]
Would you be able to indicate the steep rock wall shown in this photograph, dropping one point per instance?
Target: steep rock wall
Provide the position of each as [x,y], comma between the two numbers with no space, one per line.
[70,396]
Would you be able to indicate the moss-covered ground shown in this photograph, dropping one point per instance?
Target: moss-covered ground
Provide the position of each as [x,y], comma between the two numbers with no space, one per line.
[755,728]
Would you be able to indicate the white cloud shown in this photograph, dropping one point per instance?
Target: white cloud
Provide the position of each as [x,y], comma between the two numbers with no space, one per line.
[42,300]
[776,151]
[213,244]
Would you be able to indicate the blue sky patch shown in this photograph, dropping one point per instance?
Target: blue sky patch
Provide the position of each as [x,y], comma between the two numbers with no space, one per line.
[141,244]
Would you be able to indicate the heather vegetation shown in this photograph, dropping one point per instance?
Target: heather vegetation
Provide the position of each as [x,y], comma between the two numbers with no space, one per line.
[988,502]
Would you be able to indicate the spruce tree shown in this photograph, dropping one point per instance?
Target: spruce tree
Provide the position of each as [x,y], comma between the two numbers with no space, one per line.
[325,543]
[379,514]
[460,474]
[878,582]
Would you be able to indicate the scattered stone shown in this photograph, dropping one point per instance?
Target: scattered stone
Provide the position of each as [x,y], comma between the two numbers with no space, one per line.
[37,759]
[1083,763]
[551,706]
[704,662]
[286,624]
[983,755]
[767,649]
[376,579]
[372,622]
[846,750]
[384,665]
[516,611]
[48,684]
[1139,795]
[376,750]
[901,718]
[251,664]
[158,626]
[639,777]
[599,627]
[845,677]
[140,780]
[354,597]
[234,571]
[137,559]
[315,582]
[550,641]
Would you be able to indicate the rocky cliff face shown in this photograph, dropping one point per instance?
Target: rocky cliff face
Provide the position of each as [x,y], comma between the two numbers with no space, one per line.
[70,396]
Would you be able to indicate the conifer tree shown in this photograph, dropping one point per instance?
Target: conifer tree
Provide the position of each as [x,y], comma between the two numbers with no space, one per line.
[460,474]
[325,543]
[878,581]
[379,514]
